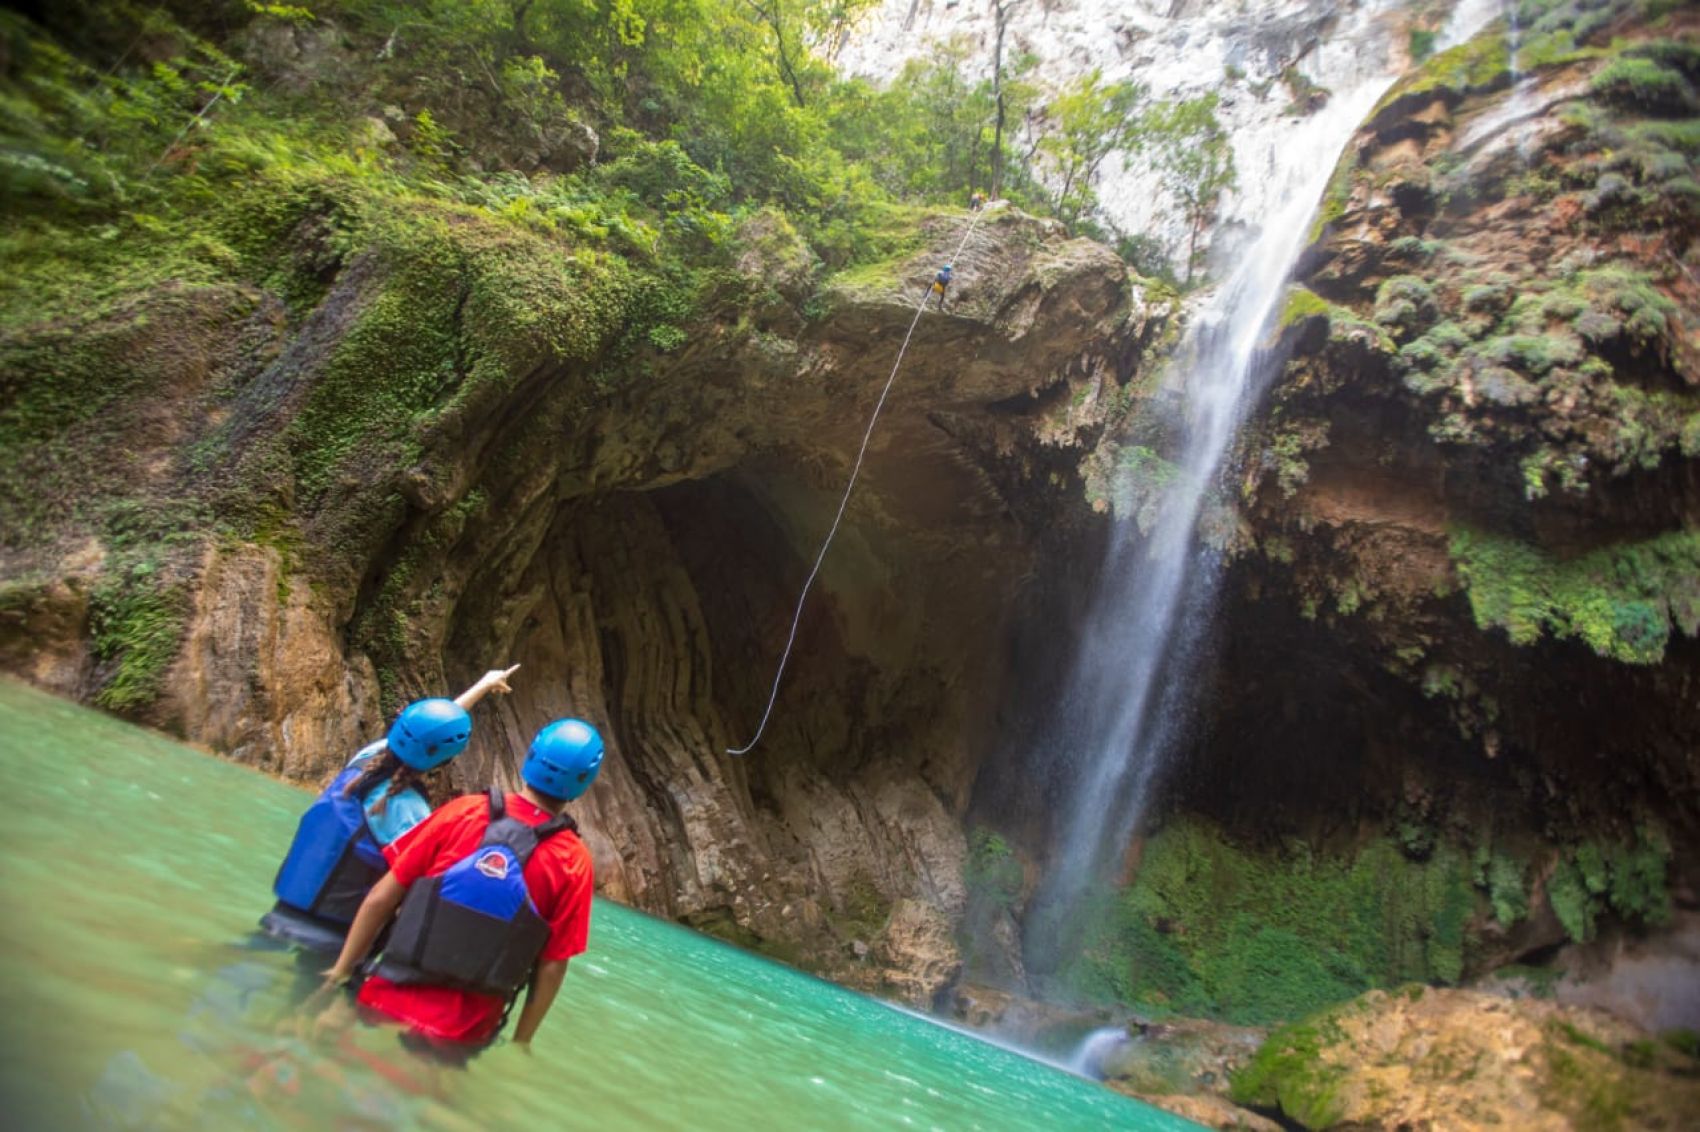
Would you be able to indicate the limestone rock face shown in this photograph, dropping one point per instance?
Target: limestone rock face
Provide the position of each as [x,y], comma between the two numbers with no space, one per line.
[1469,604]
[1464,1060]
[638,550]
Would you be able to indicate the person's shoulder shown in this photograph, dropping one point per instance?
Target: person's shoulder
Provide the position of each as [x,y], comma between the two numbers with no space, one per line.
[461,809]
[465,804]
[568,851]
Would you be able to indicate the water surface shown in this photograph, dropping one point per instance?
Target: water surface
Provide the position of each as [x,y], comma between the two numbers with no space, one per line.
[132,868]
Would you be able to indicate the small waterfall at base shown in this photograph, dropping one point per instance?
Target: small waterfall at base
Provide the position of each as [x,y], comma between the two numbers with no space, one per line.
[1128,689]
[1088,1059]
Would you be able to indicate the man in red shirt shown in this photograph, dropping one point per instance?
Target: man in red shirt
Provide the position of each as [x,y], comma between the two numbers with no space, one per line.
[448,974]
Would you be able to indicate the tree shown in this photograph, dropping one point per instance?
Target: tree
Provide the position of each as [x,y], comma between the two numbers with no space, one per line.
[1195,161]
[1086,123]
[1000,10]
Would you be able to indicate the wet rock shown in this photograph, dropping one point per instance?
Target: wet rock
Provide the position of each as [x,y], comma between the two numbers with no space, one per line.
[297,56]
[1210,1111]
[637,549]
[1464,1060]
[1182,1055]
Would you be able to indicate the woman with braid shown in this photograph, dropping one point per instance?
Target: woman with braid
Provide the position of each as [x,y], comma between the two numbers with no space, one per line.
[384,791]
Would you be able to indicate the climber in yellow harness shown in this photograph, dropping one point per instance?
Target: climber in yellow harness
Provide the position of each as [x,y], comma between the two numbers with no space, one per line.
[941,282]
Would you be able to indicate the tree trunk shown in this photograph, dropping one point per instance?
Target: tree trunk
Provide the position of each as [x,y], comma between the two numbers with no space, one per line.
[1000,9]
[1192,244]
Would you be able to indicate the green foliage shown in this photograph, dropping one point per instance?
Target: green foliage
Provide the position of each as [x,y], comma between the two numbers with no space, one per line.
[1303,303]
[1504,884]
[992,872]
[136,621]
[1482,63]
[1335,196]
[1685,1042]
[1307,94]
[1092,119]
[1211,928]
[79,136]
[1139,484]
[1622,600]
[1191,151]
[1422,43]
[1644,84]
[1622,877]
[1406,305]
[1288,1073]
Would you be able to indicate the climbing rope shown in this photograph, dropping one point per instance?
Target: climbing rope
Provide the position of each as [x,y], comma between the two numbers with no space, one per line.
[855,471]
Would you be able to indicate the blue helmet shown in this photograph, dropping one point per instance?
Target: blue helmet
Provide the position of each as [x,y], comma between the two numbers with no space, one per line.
[428,733]
[563,759]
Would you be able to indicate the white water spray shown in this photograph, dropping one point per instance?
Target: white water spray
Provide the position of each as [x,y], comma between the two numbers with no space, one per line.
[1128,688]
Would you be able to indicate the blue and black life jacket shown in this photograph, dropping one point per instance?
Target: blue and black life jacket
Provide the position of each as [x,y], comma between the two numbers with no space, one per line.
[331,865]
[474,927]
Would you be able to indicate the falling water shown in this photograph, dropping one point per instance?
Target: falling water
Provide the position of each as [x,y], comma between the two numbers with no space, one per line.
[1128,690]
[1521,104]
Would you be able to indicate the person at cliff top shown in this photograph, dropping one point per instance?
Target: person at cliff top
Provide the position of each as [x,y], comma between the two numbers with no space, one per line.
[977,201]
[490,894]
[337,854]
[941,282]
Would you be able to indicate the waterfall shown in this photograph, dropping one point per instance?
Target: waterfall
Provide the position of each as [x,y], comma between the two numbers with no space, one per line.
[1521,105]
[1128,689]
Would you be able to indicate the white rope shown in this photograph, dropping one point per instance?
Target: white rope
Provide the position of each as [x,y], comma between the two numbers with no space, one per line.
[855,471]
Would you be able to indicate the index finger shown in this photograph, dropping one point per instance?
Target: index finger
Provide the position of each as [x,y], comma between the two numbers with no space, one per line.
[510,672]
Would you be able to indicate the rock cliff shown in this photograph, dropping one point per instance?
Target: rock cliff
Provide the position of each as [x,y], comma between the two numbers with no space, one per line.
[1469,615]
[635,541]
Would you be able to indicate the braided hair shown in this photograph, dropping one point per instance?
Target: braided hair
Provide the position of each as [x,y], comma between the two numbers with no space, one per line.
[401,776]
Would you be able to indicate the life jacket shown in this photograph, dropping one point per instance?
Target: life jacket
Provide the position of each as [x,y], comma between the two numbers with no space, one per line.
[474,927]
[332,864]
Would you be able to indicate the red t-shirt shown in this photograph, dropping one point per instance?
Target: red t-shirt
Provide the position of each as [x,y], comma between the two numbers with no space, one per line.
[558,877]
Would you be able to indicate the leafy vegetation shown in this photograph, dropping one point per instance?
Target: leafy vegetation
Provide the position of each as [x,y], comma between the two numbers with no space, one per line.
[445,200]
[1623,601]
[1288,1073]
[1624,877]
[1209,927]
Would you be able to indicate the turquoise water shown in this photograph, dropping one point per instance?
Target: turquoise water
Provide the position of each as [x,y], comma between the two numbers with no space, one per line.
[132,868]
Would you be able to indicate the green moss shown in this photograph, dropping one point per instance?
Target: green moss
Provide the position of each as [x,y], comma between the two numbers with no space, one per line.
[136,623]
[1406,304]
[1288,1073]
[1135,484]
[1622,600]
[992,871]
[1506,893]
[1682,135]
[863,911]
[1643,83]
[1583,1080]
[1303,303]
[1209,927]
[1683,1041]
[1625,877]
[1335,196]
[1480,64]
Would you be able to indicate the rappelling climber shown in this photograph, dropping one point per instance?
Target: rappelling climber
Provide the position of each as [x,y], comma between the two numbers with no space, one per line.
[337,854]
[490,894]
[941,283]
[976,201]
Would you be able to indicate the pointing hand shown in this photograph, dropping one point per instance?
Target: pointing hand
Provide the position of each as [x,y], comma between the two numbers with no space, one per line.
[496,680]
